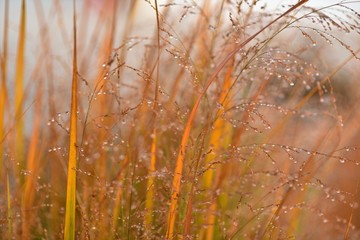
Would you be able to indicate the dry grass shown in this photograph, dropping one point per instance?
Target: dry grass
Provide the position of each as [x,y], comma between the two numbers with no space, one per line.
[69,231]
[184,120]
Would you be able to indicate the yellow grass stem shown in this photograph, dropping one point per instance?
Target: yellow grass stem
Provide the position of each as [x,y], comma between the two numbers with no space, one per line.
[3,92]
[217,134]
[150,184]
[19,88]
[175,189]
[33,168]
[69,232]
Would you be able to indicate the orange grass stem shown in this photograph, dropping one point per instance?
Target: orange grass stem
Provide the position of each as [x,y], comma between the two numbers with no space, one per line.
[3,92]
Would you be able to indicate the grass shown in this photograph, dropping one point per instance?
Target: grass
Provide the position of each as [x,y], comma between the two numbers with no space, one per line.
[69,232]
[19,88]
[183,120]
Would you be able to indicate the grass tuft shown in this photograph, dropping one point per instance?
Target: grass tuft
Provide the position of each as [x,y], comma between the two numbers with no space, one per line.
[185,120]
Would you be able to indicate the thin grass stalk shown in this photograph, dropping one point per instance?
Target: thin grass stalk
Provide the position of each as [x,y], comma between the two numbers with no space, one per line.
[53,136]
[3,92]
[127,30]
[308,168]
[175,189]
[189,205]
[203,52]
[100,82]
[347,231]
[69,232]
[150,185]
[219,140]
[149,203]
[295,217]
[120,175]
[103,100]
[9,208]
[218,132]
[119,179]
[19,88]
[119,194]
[116,213]
[130,197]
[346,236]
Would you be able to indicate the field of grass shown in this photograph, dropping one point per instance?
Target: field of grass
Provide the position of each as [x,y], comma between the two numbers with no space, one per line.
[179,119]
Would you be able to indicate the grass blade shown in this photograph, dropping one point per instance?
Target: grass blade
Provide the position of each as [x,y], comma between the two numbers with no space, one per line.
[19,87]
[69,232]
[28,195]
[150,185]
[3,93]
